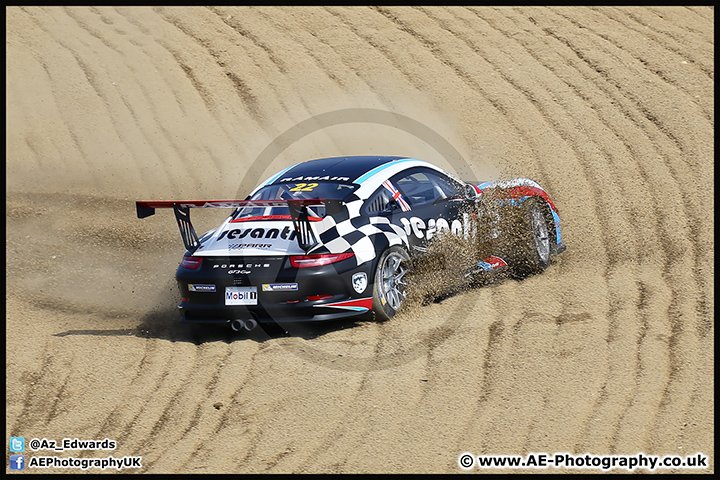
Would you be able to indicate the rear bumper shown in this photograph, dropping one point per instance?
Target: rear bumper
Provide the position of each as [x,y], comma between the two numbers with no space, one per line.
[278,292]
[279,315]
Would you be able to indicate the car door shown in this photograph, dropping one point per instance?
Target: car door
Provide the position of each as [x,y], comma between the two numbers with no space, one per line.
[435,204]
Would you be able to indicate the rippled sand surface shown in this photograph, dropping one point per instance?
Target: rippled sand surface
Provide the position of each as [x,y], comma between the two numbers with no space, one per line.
[610,351]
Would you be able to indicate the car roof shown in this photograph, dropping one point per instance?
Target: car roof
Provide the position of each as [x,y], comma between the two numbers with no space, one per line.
[344,169]
[366,171]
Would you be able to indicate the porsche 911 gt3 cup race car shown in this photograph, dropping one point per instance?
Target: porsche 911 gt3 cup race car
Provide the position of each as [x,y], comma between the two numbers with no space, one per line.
[336,237]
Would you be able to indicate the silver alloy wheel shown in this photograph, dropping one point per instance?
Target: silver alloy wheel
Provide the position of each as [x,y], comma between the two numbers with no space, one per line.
[541,237]
[392,282]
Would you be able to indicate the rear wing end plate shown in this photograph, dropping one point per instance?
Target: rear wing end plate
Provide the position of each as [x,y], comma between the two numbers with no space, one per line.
[305,233]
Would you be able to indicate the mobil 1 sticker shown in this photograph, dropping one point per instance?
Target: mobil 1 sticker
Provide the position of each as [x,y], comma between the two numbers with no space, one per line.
[240,295]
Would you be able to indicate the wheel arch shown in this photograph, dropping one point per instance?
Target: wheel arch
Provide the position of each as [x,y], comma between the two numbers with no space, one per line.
[550,214]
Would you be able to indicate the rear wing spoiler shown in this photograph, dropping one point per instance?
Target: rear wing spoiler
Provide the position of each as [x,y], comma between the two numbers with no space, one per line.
[305,234]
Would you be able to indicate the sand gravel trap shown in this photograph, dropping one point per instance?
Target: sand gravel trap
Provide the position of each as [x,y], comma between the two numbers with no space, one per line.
[610,351]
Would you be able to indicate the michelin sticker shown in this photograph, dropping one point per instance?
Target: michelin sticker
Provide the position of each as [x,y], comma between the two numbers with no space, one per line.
[279,287]
[359,282]
[194,287]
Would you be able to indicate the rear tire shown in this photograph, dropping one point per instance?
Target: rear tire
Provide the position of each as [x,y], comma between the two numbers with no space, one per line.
[389,283]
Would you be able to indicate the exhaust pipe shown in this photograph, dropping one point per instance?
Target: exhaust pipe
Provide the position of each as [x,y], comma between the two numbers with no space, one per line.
[239,324]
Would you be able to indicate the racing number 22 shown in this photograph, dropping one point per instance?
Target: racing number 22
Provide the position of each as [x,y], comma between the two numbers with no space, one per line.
[304,187]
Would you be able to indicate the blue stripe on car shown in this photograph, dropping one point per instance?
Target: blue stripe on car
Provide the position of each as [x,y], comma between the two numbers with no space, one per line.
[380,168]
[556,219]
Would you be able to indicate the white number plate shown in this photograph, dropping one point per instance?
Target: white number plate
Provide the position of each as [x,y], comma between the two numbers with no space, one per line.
[240,295]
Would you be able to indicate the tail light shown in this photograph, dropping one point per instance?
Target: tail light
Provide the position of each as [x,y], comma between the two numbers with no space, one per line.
[300,261]
[191,262]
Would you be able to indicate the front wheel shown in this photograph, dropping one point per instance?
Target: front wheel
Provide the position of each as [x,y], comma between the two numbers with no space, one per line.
[390,284]
[529,245]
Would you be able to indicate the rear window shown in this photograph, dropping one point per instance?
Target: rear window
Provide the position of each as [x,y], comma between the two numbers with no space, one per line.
[293,191]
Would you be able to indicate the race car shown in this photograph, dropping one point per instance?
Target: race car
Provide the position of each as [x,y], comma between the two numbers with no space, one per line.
[339,237]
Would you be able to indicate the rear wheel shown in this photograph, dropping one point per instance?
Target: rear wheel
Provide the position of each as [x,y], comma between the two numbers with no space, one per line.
[390,284]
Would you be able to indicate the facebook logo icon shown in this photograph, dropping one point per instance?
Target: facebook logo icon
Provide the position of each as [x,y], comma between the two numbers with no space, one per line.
[17,462]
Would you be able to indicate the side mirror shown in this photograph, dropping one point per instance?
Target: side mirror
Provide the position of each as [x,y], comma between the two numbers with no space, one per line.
[470,191]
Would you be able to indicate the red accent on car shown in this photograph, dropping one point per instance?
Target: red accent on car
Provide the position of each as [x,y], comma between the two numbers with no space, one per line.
[300,261]
[351,304]
[528,191]
[271,217]
[495,262]
[192,263]
[318,297]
